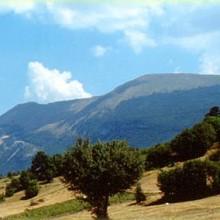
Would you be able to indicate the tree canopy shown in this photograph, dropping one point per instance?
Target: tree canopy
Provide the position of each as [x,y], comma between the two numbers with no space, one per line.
[101,170]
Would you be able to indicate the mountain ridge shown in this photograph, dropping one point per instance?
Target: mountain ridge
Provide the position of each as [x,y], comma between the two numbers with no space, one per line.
[144,111]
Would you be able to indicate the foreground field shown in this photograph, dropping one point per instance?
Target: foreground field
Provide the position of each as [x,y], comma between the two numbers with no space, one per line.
[55,202]
[52,193]
[204,209]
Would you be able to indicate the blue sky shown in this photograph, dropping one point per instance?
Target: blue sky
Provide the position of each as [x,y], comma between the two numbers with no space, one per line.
[54,50]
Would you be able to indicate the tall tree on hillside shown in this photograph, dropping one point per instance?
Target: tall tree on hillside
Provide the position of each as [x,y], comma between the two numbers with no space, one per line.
[42,167]
[194,142]
[102,170]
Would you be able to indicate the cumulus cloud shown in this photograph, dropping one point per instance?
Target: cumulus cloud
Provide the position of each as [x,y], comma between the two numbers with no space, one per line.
[50,85]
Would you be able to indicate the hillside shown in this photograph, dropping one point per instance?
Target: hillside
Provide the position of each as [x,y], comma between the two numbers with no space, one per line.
[145,111]
[204,209]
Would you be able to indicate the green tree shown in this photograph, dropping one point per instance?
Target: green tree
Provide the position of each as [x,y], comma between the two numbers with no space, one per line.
[139,195]
[184,145]
[24,179]
[57,161]
[101,170]
[42,167]
[32,189]
[205,136]
[187,182]
[158,156]
[215,122]
[194,142]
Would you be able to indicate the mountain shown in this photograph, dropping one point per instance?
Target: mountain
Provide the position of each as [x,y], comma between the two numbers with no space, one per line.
[145,111]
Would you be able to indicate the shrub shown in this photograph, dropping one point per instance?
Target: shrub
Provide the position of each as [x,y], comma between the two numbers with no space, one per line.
[9,191]
[32,189]
[188,182]
[24,178]
[42,167]
[57,161]
[158,156]
[2,197]
[194,180]
[15,184]
[193,143]
[215,122]
[139,195]
[13,187]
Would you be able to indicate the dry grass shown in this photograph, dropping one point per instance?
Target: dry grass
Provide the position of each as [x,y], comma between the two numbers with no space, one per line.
[52,193]
[204,209]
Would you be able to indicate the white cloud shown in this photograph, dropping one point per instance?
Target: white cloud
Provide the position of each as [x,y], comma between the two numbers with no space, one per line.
[17,6]
[131,20]
[138,40]
[99,51]
[209,64]
[49,85]
[203,45]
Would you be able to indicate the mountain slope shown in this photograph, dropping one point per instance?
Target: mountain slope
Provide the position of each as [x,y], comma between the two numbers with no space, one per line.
[145,111]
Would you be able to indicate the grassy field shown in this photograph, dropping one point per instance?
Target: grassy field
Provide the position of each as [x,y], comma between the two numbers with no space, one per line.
[65,208]
[52,193]
[204,209]
[55,202]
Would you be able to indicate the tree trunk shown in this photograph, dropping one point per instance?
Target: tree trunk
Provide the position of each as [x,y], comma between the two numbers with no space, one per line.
[102,209]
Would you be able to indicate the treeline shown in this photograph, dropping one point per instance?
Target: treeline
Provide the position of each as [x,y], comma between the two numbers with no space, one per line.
[189,144]
[194,178]
[43,169]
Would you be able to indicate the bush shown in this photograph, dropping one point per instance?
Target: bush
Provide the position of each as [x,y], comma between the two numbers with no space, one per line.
[13,187]
[32,189]
[24,178]
[194,180]
[9,191]
[158,156]
[215,122]
[139,195]
[15,183]
[193,143]
[42,167]
[57,161]
[188,182]
[2,197]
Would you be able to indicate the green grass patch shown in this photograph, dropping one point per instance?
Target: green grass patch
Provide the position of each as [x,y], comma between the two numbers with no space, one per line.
[122,197]
[44,213]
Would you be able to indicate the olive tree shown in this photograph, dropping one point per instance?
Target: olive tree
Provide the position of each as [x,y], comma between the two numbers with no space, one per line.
[101,170]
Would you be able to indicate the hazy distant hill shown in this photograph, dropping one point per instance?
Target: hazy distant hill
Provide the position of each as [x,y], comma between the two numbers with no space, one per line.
[145,111]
